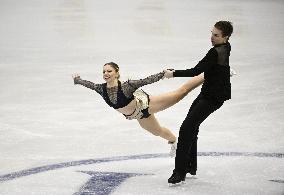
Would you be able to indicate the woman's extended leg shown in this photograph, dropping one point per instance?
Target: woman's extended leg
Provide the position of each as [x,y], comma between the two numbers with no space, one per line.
[152,125]
[166,100]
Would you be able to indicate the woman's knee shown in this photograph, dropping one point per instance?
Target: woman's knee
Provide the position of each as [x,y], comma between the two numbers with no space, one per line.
[156,133]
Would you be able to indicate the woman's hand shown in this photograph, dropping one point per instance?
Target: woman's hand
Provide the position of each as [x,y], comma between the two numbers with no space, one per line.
[168,73]
[75,75]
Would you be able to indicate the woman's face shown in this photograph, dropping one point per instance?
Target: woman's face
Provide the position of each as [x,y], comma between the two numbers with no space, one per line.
[109,73]
[217,37]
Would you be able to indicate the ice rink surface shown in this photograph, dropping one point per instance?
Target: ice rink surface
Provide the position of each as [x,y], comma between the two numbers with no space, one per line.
[61,139]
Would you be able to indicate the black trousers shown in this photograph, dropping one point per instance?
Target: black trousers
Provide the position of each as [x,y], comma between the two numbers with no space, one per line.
[186,154]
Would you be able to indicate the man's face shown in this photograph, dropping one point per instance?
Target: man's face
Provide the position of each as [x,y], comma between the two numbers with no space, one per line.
[217,37]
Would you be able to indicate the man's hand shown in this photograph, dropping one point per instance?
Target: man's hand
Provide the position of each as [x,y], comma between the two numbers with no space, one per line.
[168,73]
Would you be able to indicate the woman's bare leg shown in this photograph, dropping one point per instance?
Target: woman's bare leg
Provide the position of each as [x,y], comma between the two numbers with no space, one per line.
[152,125]
[166,100]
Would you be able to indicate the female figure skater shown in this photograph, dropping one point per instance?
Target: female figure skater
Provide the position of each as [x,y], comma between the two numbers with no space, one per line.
[136,104]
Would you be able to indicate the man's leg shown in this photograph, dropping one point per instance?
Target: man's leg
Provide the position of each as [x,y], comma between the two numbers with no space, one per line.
[188,134]
[192,153]
[192,158]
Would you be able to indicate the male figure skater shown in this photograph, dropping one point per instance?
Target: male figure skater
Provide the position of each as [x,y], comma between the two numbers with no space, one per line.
[215,90]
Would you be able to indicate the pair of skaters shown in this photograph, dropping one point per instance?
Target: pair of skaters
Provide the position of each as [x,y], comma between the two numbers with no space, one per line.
[213,70]
[134,103]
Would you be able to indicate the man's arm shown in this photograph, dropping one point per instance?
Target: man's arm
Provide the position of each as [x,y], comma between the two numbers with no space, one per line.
[205,64]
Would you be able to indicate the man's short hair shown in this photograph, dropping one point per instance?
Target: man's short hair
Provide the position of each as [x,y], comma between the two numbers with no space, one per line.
[225,26]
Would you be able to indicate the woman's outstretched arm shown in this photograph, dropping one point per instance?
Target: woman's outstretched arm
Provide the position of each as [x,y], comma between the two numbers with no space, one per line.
[77,80]
[148,80]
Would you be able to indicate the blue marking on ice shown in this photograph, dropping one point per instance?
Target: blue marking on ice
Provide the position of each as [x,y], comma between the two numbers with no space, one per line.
[103,183]
[35,170]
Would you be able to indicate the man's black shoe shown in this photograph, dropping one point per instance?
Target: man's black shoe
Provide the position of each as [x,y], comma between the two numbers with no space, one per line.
[176,178]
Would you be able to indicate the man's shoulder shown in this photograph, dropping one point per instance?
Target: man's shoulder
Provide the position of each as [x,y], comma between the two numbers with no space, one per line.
[222,47]
[212,52]
[222,50]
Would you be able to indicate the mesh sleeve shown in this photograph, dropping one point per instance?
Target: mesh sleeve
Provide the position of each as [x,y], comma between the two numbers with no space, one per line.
[130,86]
[148,80]
[97,87]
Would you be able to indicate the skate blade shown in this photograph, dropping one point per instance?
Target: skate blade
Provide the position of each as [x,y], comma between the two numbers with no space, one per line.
[176,184]
[192,177]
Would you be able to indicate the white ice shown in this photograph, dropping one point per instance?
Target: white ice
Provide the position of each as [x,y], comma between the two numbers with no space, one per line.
[46,120]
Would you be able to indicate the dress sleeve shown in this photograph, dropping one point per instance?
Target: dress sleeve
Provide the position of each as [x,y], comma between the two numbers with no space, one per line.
[148,80]
[203,65]
[97,87]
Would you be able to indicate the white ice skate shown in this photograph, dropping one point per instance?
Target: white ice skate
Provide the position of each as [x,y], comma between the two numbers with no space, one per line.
[173,149]
[232,72]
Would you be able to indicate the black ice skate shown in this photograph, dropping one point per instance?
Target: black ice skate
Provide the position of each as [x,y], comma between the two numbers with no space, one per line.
[176,178]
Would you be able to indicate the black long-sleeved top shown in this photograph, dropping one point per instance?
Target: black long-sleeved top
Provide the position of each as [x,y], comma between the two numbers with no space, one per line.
[119,96]
[216,68]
